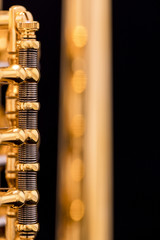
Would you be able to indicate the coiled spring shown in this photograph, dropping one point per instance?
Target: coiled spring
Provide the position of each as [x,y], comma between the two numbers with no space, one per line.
[28,153]
[28,58]
[28,93]
[28,214]
[27,181]
[28,119]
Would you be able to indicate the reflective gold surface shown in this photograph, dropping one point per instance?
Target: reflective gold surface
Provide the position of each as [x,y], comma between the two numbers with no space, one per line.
[28,228]
[10,224]
[84,189]
[17,32]
[11,103]
[27,167]
[16,136]
[13,197]
[13,73]
[10,171]
[31,197]
[28,106]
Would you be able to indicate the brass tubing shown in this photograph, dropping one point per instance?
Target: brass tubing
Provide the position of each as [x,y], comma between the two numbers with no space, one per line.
[98,141]
[12,136]
[13,197]
[12,74]
[20,72]
[10,224]
[12,48]
[11,104]
[4,18]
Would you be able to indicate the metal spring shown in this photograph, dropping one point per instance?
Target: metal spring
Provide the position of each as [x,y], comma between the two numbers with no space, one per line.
[27,214]
[28,58]
[28,153]
[27,181]
[28,92]
[28,119]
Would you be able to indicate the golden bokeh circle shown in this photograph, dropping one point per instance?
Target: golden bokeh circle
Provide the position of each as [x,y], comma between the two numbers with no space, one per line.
[80,36]
[77,170]
[79,80]
[77,125]
[77,210]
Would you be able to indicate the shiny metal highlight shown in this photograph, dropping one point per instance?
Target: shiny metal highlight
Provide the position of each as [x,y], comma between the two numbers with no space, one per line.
[19,135]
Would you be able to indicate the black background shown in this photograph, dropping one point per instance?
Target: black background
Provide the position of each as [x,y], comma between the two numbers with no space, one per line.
[136,27]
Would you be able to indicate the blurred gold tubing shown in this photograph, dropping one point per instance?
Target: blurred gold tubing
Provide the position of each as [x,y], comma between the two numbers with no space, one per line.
[4,18]
[10,171]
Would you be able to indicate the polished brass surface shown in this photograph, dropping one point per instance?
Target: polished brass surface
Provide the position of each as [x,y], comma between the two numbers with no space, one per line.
[11,103]
[10,224]
[28,167]
[19,136]
[4,17]
[27,228]
[10,171]
[84,184]
[28,106]
[31,197]
[24,44]
[13,197]
[27,29]
[31,135]
[11,74]
[32,73]
[12,136]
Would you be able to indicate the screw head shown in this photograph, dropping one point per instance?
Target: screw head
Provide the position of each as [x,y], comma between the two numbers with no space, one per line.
[30,26]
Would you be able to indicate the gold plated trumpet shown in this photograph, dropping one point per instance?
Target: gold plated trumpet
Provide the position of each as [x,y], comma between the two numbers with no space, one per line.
[19,134]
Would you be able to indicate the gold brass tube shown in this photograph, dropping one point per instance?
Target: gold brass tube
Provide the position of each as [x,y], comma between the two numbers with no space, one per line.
[4,18]
[10,224]
[11,104]
[17,31]
[12,30]
[10,171]
[11,74]
[13,197]
[16,136]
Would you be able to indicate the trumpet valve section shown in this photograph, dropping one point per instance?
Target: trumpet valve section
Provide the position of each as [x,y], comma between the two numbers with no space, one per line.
[21,73]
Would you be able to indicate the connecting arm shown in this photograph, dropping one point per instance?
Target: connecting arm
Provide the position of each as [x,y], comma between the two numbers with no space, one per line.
[13,198]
